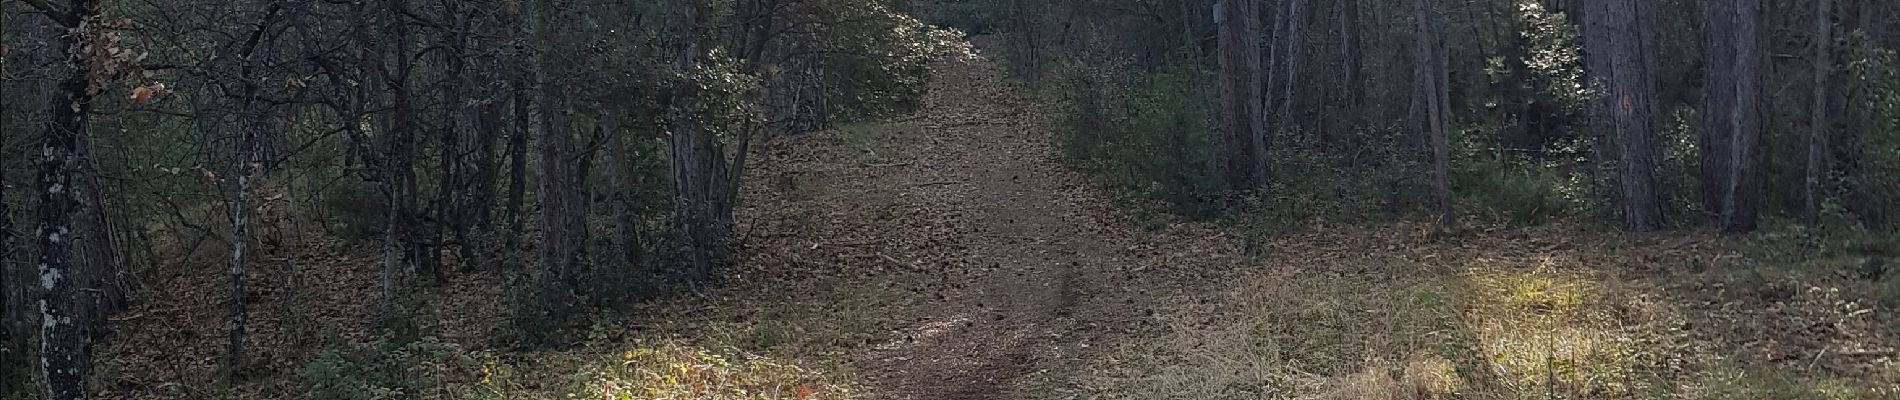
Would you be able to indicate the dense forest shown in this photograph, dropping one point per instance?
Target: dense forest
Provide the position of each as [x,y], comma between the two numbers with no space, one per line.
[957,199]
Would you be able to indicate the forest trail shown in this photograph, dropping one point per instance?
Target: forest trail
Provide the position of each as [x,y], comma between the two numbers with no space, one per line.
[1053,271]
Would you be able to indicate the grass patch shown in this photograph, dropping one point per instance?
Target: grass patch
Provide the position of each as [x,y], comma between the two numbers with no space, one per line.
[664,370]
[880,144]
[1496,317]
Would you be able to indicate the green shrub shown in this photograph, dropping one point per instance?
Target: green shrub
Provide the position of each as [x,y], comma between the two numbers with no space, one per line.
[1509,189]
[1147,133]
[1376,171]
[383,370]
[883,61]
[354,209]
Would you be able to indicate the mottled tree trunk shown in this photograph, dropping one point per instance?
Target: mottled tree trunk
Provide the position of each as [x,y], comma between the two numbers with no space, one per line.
[21,289]
[245,158]
[1625,111]
[65,345]
[1732,153]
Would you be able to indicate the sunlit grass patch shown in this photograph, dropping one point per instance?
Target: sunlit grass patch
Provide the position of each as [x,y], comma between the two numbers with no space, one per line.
[1731,382]
[1553,331]
[1421,378]
[668,370]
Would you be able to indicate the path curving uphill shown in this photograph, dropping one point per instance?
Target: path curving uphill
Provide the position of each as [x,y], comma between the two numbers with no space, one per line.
[1055,274]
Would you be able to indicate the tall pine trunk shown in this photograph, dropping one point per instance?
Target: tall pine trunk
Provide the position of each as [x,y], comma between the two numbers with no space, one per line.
[1818,113]
[559,193]
[1243,139]
[1617,61]
[1430,80]
[1731,123]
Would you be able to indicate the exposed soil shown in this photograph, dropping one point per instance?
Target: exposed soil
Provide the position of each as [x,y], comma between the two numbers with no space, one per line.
[1057,272]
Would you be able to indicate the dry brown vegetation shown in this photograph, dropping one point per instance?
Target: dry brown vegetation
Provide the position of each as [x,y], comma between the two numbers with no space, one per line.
[1548,312]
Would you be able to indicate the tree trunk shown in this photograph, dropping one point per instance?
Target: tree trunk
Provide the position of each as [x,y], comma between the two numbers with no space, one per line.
[1291,65]
[245,158]
[1818,127]
[1617,61]
[1430,76]
[1732,170]
[527,91]
[624,249]
[486,171]
[399,176]
[23,322]
[560,217]
[1241,101]
[517,168]
[65,346]
[698,165]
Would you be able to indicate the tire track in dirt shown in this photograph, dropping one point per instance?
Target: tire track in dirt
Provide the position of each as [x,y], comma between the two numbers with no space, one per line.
[1056,272]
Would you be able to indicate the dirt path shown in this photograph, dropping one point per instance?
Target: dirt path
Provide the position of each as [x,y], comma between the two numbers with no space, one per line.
[1055,272]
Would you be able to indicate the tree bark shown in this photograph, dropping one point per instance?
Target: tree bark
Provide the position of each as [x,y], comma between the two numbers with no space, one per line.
[1818,113]
[560,216]
[398,164]
[23,322]
[1625,111]
[1430,77]
[1732,156]
[1244,166]
[1291,65]
[245,158]
[698,170]
[524,77]
[65,346]
[624,248]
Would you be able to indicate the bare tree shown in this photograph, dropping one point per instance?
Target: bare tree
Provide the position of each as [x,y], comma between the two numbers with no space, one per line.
[65,343]
[1289,68]
[256,119]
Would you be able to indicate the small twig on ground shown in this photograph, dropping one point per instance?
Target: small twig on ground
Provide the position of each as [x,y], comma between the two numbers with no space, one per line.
[939,183]
[816,245]
[890,165]
[898,262]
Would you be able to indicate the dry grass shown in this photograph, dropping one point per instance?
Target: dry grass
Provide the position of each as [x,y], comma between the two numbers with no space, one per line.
[1422,378]
[663,370]
[1536,313]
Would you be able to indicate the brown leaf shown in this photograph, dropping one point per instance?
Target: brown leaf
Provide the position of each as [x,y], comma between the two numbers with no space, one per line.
[141,94]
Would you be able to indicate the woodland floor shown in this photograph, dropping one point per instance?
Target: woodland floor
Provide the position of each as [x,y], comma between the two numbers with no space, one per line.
[953,255]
